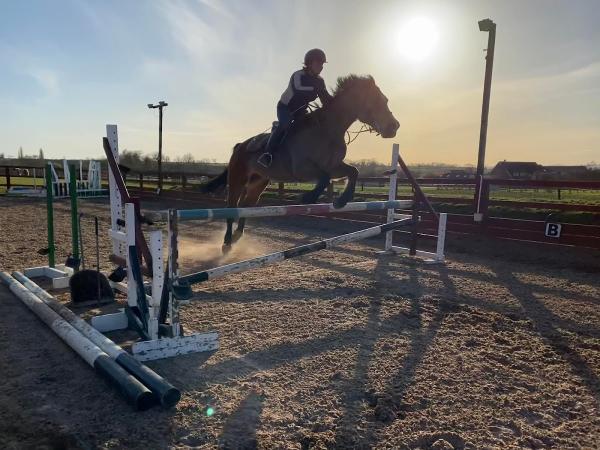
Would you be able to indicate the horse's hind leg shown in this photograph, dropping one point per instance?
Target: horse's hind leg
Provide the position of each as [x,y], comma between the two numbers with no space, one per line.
[345,170]
[254,189]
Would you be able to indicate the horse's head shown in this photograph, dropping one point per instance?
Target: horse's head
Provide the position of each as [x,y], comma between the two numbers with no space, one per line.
[371,105]
[375,111]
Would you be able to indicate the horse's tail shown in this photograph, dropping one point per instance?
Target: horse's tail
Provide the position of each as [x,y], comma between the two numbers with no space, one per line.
[214,184]
[220,180]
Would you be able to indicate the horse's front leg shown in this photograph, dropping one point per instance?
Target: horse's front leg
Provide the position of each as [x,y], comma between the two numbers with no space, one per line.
[227,241]
[313,196]
[253,192]
[351,172]
[239,231]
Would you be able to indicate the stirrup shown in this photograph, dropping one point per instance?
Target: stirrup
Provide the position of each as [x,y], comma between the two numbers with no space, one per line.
[265,159]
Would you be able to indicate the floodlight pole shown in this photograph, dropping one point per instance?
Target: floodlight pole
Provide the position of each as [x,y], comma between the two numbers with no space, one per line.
[160,107]
[490,27]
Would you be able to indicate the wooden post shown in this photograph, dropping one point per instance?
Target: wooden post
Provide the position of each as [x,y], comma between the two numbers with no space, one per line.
[488,26]
[280,190]
[485,198]
[7,170]
[141,181]
[183,180]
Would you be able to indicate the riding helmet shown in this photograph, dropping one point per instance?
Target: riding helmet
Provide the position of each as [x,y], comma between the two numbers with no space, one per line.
[316,54]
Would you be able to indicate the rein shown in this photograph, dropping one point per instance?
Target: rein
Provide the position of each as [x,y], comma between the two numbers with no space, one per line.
[364,128]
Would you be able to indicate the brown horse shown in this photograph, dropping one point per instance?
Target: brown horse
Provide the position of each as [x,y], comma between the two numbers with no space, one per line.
[313,150]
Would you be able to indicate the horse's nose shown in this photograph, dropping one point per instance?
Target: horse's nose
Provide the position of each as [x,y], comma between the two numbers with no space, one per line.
[393,127]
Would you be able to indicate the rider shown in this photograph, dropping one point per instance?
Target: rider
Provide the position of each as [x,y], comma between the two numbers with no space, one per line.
[304,87]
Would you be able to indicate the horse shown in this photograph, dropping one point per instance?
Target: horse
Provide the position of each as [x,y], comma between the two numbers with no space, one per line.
[313,149]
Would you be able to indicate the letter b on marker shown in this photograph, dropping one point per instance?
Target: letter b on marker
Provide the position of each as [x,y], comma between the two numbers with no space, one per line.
[553,230]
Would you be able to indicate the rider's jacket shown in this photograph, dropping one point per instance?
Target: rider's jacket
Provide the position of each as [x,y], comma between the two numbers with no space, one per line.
[302,89]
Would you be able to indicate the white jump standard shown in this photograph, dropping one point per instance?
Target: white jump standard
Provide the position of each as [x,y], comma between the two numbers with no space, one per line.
[429,257]
[151,315]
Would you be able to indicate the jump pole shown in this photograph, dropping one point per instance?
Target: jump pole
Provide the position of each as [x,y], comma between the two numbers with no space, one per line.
[289,210]
[138,395]
[164,392]
[294,252]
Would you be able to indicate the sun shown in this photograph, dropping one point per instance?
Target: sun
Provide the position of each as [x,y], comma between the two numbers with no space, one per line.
[417,39]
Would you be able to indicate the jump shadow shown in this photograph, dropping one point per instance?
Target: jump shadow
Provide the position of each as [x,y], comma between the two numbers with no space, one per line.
[239,430]
[284,295]
[353,391]
[547,325]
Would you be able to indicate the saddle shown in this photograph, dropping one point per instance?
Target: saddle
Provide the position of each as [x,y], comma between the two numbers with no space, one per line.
[257,143]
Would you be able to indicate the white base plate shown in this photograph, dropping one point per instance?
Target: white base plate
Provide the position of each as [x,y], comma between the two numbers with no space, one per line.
[60,274]
[181,345]
[428,257]
[110,322]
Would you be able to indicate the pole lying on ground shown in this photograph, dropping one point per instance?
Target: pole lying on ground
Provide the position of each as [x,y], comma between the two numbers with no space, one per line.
[135,392]
[272,258]
[165,392]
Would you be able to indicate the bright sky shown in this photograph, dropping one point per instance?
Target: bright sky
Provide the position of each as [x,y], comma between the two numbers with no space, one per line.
[71,66]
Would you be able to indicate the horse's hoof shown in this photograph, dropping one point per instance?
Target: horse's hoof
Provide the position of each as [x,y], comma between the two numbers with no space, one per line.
[339,202]
[237,235]
[226,248]
[307,199]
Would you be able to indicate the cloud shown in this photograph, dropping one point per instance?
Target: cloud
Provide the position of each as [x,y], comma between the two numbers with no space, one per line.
[47,78]
[23,62]
[553,85]
[201,37]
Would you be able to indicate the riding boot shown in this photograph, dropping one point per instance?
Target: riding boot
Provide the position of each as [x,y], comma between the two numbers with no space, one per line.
[266,158]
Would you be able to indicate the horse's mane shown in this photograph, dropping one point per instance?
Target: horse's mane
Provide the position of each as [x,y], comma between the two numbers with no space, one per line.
[344,84]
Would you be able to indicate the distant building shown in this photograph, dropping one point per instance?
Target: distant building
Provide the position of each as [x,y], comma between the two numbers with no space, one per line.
[514,170]
[563,172]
